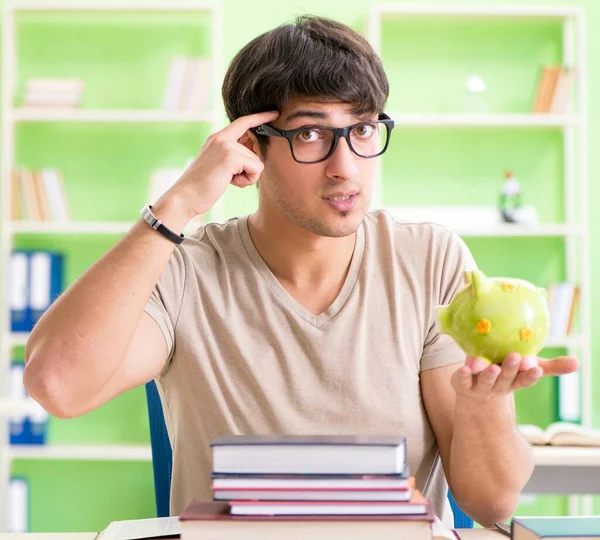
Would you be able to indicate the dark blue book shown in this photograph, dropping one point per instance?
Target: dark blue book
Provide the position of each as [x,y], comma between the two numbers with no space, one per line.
[557,528]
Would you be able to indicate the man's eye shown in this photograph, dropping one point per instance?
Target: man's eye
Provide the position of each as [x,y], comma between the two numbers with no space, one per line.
[309,135]
[364,131]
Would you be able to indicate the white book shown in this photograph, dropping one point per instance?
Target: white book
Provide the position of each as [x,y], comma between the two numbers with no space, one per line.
[40,288]
[561,434]
[134,529]
[18,506]
[37,98]
[50,84]
[19,284]
[198,91]
[54,189]
[174,83]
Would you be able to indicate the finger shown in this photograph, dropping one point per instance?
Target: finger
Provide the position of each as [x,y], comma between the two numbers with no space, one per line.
[560,365]
[528,378]
[242,124]
[487,378]
[463,379]
[528,362]
[509,372]
[476,365]
[249,170]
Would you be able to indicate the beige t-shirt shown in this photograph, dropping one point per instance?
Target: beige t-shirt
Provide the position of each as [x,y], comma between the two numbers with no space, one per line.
[246,358]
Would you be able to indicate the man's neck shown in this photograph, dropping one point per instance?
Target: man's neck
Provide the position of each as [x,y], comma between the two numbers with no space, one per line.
[298,258]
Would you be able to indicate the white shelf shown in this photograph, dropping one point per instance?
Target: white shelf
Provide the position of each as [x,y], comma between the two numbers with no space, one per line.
[17,407]
[527,120]
[42,114]
[573,169]
[475,10]
[567,456]
[17,339]
[70,5]
[69,227]
[550,229]
[566,342]
[82,452]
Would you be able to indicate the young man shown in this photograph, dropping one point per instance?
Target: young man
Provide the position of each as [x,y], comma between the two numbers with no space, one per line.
[311,315]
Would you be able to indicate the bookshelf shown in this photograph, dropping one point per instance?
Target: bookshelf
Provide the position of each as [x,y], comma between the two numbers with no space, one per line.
[428,51]
[114,114]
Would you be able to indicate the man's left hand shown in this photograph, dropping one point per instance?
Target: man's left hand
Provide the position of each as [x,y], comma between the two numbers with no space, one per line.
[478,379]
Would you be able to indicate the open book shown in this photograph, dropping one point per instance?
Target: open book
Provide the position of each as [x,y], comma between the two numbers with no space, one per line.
[561,434]
[138,529]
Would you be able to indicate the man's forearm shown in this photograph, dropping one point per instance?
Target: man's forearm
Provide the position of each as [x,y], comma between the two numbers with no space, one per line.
[490,462]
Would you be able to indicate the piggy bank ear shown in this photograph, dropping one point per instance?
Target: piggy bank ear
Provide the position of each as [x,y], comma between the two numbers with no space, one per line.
[479,282]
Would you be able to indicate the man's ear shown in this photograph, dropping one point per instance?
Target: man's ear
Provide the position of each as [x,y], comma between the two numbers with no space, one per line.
[250,141]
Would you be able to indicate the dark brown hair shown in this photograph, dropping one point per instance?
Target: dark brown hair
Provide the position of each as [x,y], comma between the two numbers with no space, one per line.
[314,57]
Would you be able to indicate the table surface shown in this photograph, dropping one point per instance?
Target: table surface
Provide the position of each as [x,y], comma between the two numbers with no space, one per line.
[465,534]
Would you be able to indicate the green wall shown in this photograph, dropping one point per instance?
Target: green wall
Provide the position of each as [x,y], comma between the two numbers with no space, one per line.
[107,166]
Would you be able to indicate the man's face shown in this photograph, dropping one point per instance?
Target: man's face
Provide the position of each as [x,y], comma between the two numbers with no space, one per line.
[328,198]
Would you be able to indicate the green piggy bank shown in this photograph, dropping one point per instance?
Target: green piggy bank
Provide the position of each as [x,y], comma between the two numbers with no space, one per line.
[491,317]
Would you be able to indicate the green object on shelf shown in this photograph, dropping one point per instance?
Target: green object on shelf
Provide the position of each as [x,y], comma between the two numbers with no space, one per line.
[492,317]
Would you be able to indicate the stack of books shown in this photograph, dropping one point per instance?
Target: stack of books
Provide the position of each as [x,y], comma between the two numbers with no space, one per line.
[53,92]
[295,486]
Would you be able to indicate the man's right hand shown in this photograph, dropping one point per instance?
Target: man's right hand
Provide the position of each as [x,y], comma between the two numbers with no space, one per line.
[223,160]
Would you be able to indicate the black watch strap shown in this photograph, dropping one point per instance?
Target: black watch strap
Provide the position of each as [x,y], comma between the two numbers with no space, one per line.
[158,226]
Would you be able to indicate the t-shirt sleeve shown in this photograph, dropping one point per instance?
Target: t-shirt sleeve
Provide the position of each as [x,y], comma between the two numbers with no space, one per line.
[452,261]
[164,304]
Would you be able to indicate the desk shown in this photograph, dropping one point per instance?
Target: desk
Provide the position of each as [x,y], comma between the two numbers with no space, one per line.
[565,470]
[465,534]
[49,536]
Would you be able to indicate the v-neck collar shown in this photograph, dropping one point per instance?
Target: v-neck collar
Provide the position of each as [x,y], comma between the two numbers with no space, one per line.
[285,297]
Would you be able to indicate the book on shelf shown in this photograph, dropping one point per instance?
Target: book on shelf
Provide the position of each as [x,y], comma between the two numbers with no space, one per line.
[560,434]
[554,90]
[563,299]
[306,454]
[39,195]
[555,527]
[53,92]
[188,84]
[17,505]
[25,428]
[37,277]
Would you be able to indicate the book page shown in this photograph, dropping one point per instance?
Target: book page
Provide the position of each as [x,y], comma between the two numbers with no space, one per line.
[569,434]
[534,434]
[439,531]
[138,529]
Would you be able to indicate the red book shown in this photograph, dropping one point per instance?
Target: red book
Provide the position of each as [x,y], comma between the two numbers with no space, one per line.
[204,519]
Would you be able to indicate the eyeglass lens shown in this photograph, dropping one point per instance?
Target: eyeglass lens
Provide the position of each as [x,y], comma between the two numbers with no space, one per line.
[313,144]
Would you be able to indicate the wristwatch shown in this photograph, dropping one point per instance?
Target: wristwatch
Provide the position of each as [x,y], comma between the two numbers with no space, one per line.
[158,226]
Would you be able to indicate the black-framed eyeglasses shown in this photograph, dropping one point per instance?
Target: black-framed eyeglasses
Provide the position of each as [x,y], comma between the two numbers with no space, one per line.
[313,144]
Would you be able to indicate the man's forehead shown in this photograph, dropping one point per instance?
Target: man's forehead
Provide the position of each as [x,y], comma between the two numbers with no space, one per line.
[306,108]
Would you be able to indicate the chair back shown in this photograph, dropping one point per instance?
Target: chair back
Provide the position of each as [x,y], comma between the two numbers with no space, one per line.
[162,455]
[461,520]
[162,461]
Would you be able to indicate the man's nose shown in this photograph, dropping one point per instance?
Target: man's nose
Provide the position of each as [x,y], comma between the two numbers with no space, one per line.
[341,165]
